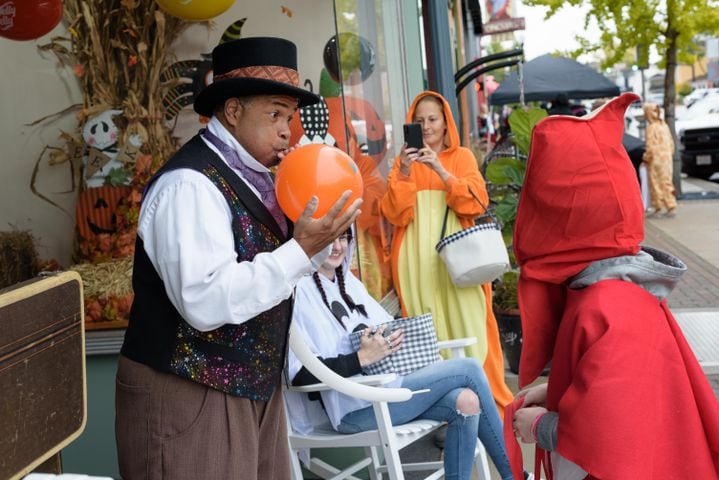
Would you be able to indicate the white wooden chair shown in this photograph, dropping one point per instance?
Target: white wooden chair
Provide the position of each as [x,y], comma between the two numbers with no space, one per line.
[390,440]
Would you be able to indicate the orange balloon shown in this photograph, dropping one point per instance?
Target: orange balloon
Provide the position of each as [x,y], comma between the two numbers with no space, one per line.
[319,170]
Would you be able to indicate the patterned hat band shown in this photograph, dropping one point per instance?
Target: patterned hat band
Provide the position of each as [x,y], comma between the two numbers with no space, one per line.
[267,72]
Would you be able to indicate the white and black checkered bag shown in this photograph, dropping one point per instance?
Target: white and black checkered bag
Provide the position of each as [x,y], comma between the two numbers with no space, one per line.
[419,347]
[474,255]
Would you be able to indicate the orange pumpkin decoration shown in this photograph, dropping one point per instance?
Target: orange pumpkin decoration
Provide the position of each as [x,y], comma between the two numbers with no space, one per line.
[96,210]
[373,141]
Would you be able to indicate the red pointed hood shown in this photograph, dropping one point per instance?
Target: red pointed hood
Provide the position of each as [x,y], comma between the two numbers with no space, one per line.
[580,203]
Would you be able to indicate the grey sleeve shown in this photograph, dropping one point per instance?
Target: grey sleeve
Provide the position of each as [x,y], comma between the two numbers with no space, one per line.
[547,431]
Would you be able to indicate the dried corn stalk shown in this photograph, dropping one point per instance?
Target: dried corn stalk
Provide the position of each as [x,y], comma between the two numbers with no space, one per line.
[117,49]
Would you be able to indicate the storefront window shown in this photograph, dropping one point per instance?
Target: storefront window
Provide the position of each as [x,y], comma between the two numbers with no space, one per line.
[368,59]
[356,55]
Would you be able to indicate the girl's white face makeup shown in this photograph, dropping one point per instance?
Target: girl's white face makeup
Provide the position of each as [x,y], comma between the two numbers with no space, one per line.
[337,255]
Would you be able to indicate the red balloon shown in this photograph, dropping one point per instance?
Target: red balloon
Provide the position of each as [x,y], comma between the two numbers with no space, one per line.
[28,19]
[319,170]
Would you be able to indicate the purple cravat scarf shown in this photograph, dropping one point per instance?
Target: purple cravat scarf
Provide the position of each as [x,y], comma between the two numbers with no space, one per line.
[262,181]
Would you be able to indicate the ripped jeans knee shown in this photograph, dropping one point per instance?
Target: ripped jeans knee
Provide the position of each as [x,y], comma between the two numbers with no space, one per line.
[468,403]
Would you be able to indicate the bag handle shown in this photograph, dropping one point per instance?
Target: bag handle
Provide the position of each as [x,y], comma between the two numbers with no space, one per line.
[446,213]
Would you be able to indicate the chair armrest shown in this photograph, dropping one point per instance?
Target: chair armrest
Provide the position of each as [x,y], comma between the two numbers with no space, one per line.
[457,345]
[337,382]
[382,379]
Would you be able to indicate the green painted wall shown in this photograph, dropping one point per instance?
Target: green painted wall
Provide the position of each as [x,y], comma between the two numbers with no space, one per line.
[93,452]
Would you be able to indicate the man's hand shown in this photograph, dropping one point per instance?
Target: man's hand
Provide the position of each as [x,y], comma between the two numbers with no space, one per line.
[313,235]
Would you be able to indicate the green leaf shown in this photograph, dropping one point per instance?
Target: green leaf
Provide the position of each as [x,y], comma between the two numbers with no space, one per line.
[506,171]
[118,176]
[521,122]
[506,209]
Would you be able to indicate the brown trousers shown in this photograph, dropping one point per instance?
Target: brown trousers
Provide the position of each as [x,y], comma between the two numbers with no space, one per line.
[170,428]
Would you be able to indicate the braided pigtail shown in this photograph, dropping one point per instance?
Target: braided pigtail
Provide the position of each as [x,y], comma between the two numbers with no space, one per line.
[318,283]
[345,296]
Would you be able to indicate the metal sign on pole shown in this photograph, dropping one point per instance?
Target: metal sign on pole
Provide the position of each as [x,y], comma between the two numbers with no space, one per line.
[504,25]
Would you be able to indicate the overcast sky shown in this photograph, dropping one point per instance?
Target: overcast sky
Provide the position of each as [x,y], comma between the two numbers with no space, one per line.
[558,33]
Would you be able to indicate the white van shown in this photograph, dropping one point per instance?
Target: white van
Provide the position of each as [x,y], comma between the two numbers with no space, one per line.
[699,94]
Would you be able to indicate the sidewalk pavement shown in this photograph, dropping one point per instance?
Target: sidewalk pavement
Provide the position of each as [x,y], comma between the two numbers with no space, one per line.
[693,236]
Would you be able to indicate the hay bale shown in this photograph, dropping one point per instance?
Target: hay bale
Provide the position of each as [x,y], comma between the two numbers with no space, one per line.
[107,288]
[18,257]
[106,279]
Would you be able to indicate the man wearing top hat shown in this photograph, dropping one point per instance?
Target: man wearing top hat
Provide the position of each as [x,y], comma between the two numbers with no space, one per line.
[216,261]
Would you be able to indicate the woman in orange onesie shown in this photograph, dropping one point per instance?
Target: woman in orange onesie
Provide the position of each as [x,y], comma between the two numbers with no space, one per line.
[421,184]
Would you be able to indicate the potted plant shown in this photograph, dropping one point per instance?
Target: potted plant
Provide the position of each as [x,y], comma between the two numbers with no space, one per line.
[505,176]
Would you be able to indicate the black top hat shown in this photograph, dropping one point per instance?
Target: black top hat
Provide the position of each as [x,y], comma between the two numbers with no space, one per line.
[253,66]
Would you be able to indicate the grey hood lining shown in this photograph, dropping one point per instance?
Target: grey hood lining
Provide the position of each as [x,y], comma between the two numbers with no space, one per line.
[655,271]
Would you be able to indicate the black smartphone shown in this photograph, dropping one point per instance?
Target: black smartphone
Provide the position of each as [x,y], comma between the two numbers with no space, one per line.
[413,135]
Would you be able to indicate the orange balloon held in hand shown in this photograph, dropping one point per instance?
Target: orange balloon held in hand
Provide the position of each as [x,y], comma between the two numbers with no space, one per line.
[316,169]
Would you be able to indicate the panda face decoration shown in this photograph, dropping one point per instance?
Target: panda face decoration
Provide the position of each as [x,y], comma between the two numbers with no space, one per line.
[100,131]
[101,137]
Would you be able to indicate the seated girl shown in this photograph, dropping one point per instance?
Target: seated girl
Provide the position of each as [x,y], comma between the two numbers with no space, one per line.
[332,303]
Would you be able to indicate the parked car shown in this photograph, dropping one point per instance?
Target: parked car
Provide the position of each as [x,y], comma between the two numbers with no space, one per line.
[698,136]
[699,94]
[655,97]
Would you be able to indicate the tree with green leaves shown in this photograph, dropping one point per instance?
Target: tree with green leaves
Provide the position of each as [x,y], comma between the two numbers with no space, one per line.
[671,27]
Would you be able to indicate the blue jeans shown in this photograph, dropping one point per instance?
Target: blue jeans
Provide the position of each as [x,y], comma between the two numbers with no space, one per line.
[446,380]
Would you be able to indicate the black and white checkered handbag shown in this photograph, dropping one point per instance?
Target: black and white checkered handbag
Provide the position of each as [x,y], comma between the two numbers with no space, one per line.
[474,255]
[419,347]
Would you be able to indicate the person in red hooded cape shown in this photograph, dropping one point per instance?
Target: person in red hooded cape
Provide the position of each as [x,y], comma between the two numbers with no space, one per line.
[626,398]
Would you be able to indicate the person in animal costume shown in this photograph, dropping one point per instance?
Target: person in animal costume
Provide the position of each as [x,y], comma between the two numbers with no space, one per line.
[420,186]
[659,157]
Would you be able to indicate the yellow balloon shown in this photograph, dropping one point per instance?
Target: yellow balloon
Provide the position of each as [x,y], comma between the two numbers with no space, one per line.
[195,10]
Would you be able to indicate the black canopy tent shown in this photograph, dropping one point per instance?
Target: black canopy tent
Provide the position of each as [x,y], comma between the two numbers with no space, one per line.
[547,76]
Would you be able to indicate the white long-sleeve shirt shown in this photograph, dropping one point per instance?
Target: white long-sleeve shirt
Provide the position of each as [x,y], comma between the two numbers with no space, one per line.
[185,225]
